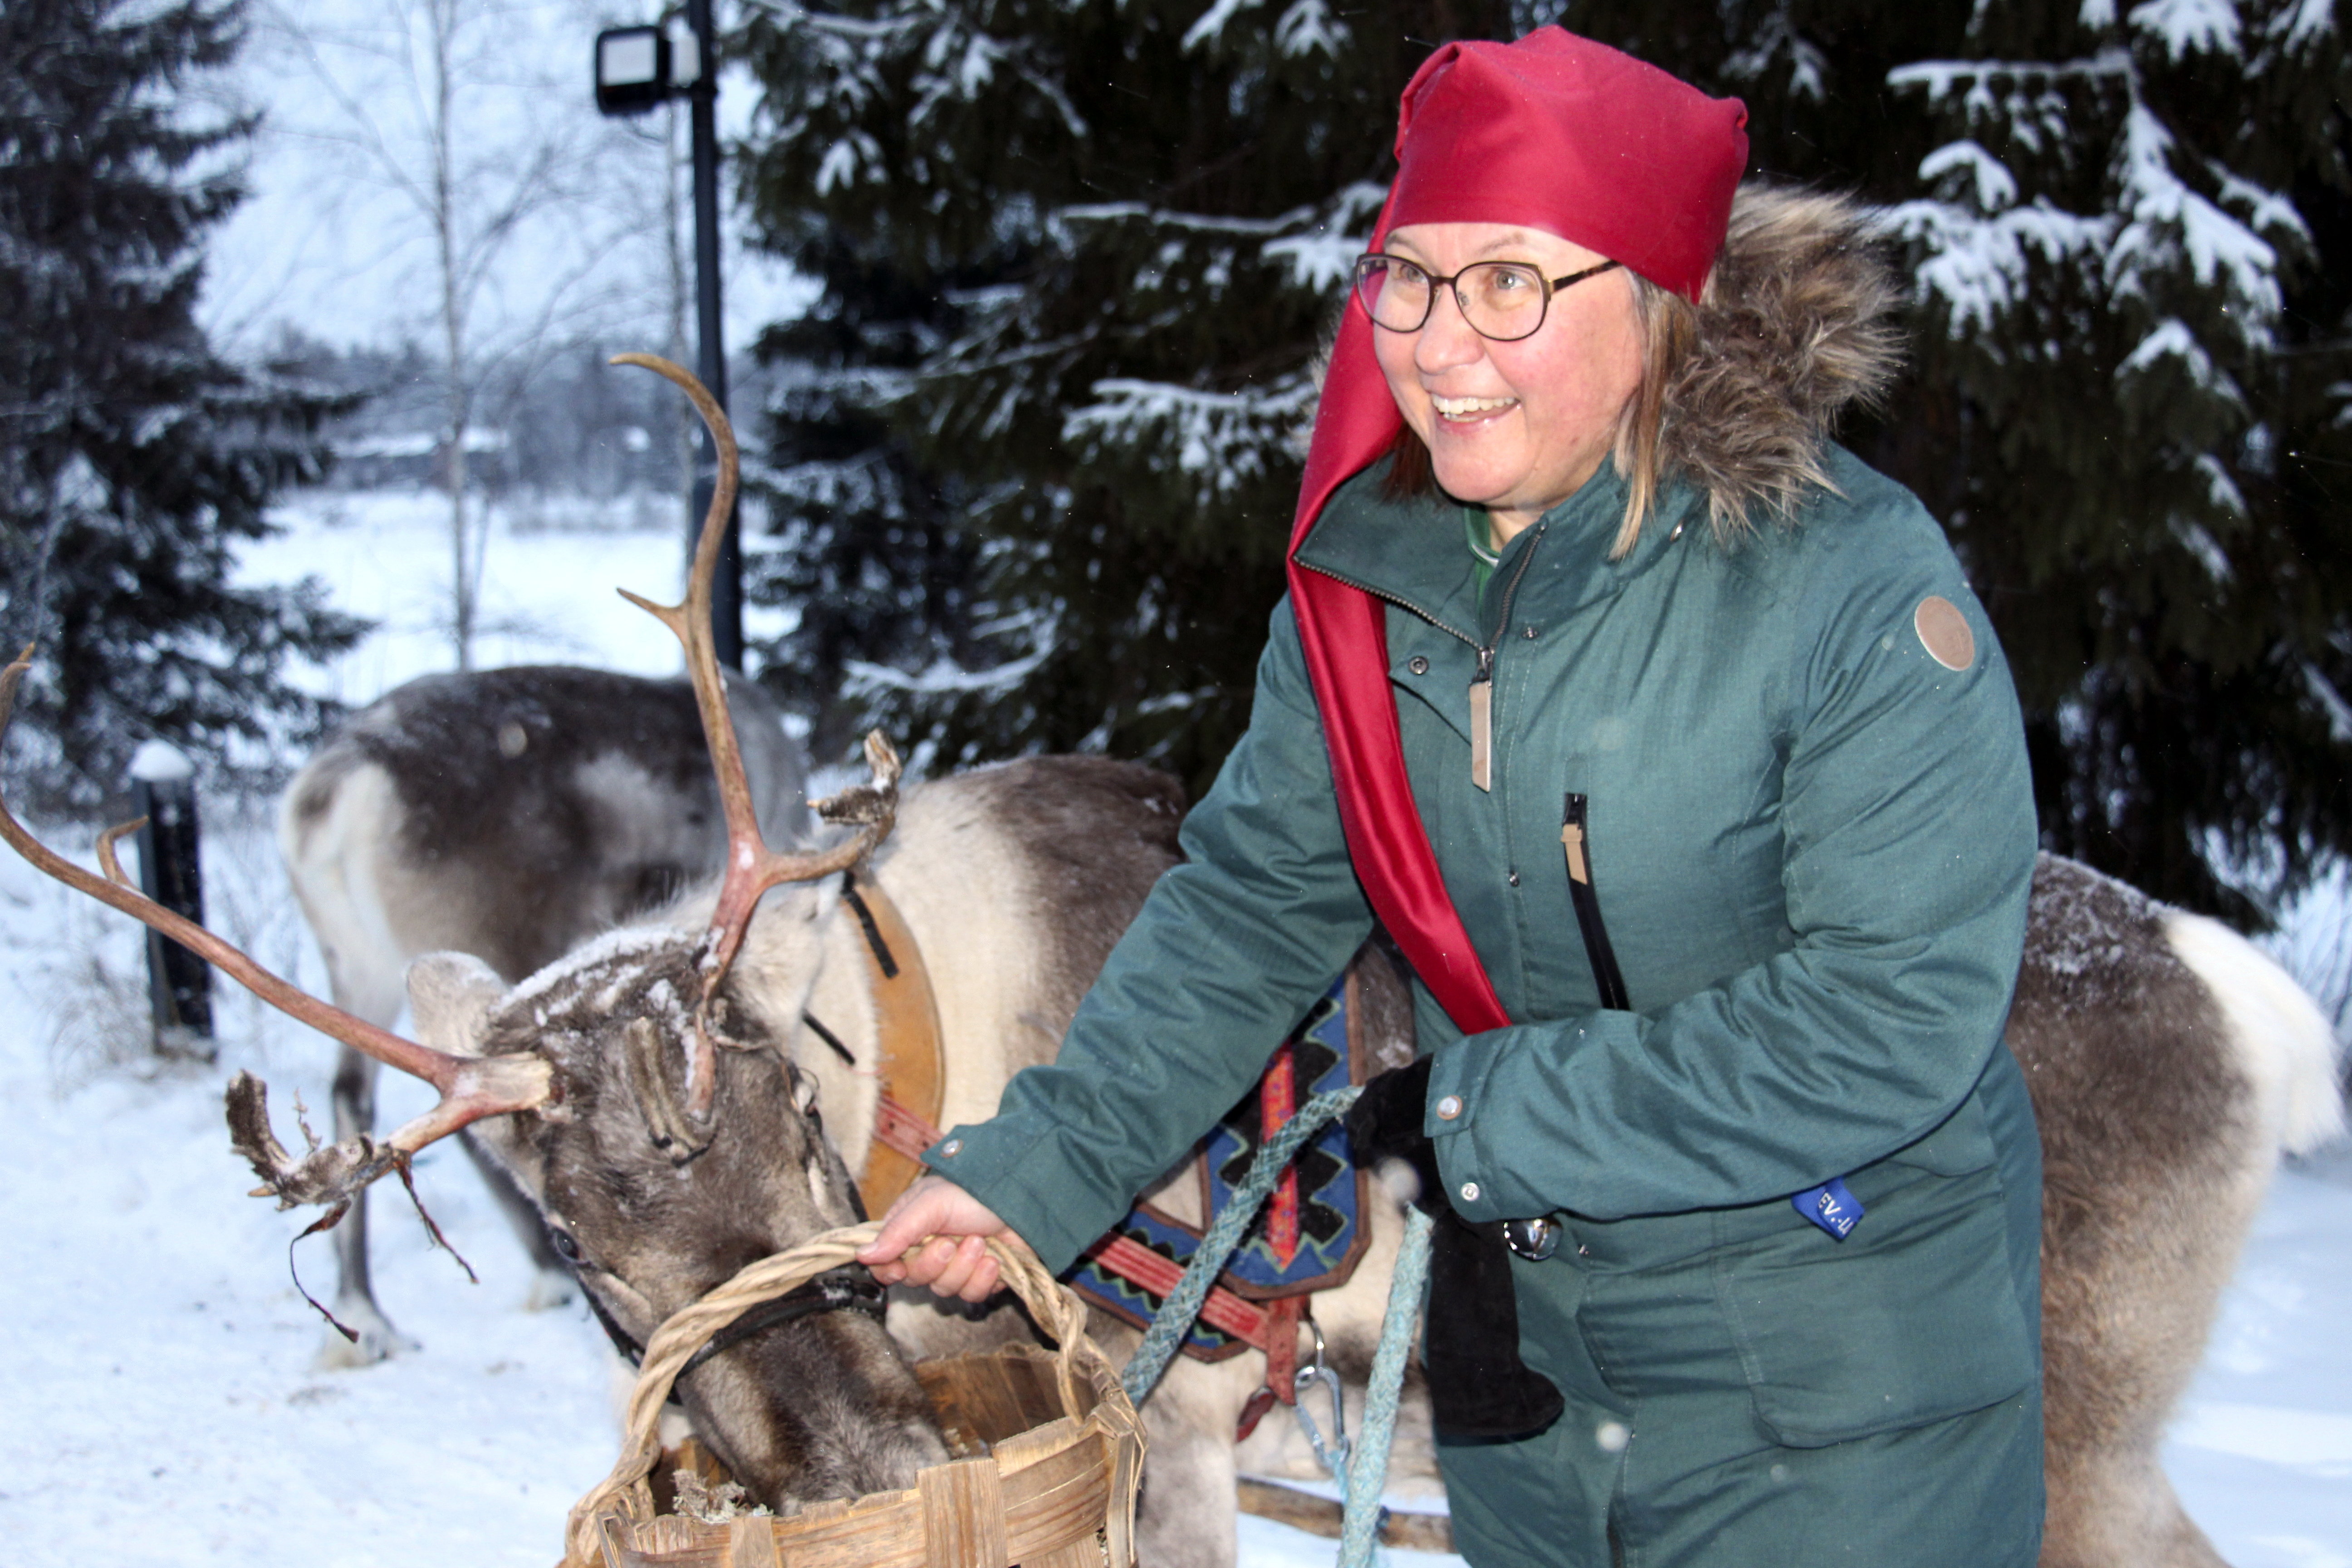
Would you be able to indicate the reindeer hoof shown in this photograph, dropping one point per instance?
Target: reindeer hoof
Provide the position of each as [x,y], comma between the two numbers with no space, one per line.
[378,1340]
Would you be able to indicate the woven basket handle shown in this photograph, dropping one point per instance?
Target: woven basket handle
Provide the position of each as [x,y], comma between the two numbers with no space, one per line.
[1056,1309]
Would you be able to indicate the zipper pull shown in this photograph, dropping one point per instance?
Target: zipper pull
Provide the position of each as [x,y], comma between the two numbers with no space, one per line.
[1482,720]
[1572,839]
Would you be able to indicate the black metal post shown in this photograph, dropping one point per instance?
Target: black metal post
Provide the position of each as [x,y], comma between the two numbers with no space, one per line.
[727,592]
[179,983]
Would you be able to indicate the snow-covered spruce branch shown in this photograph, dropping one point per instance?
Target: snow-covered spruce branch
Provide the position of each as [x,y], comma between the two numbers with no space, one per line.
[1304,25]
[1222,440]
[1976,264]
[1978,253]
[1198,223]
[1939,76]
[946,678]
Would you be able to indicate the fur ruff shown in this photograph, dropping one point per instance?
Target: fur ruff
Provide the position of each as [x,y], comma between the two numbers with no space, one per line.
[1796,326]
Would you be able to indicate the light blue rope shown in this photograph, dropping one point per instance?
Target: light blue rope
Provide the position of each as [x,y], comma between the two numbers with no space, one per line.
[1368,1465]
[1174,1319]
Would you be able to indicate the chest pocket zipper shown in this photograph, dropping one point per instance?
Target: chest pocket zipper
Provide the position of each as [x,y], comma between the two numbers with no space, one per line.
[1573,833]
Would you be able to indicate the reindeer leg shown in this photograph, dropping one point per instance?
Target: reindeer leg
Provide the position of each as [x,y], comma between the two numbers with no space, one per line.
[354,1290]
[1185,1518]
[552,1284]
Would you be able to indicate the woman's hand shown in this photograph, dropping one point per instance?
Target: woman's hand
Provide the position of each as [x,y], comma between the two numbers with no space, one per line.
[937,1235]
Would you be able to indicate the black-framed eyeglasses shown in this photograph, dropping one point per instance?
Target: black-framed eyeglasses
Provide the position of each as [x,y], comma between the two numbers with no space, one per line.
[1502,300]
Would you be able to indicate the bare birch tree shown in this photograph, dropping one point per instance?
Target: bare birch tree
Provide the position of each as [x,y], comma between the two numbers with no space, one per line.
[462,111]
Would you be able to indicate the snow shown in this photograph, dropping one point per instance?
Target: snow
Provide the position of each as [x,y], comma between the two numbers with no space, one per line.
[547,590]
[2163,216]
[2171,338]
[1996,186]
[159,1360]
[159,762]
[2304,22]
[2189,26]
[1308,26]
[1212,25]
[1977,265]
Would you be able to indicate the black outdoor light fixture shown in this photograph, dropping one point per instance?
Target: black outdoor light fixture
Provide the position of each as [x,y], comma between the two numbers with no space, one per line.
[637,69]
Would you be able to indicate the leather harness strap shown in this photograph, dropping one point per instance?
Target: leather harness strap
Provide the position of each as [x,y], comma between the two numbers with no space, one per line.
[911,1065]
[909,1058]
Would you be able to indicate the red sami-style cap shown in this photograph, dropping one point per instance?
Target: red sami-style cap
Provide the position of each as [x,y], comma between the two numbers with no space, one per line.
[1560,134]
[1554,132]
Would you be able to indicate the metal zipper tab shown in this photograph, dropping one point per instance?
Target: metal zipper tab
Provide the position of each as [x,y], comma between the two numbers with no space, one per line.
[1606,979]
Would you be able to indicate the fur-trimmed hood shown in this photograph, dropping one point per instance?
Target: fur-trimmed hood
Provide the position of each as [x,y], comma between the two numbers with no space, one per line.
[1796,326]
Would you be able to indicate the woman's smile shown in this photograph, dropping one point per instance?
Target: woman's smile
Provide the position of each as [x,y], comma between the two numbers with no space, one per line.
[1466,410]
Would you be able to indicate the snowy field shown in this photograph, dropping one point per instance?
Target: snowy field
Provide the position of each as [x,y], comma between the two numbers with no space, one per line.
[157,1367]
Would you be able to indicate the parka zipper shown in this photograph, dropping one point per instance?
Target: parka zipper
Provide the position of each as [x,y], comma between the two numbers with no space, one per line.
[1573,833]
[1482,684]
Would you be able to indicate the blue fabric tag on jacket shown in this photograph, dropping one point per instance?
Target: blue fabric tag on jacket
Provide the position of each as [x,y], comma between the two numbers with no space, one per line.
[1831,1206]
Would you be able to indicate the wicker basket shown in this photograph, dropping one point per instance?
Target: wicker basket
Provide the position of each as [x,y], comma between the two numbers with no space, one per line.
[1056,1452]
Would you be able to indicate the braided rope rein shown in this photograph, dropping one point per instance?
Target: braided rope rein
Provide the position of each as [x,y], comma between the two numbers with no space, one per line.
[1368,1465]
[1056,1309]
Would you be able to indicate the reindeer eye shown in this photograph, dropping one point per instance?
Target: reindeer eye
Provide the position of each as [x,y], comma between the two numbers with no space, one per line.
[566,1247]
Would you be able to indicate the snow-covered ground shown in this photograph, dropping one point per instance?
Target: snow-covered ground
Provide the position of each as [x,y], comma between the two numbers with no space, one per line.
[155,1360]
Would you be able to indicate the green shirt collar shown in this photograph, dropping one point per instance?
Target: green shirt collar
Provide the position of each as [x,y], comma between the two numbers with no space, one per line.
[1404,550]
[1477,533]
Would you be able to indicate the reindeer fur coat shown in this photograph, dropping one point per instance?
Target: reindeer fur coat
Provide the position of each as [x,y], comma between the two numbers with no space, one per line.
[1808,827]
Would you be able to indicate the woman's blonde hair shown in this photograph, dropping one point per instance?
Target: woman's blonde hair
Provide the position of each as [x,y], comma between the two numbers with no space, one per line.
[1668,325]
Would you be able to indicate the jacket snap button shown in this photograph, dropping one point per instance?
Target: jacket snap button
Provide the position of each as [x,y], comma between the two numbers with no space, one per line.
[1417,663]
[951,1148]
[1531,634]
[1512,877]
[1449,1108]
[1469,1192]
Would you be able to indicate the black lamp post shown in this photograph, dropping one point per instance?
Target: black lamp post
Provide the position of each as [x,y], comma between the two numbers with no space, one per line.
[637,68]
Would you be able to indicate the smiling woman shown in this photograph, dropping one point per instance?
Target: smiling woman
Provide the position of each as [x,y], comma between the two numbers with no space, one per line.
[1710,849]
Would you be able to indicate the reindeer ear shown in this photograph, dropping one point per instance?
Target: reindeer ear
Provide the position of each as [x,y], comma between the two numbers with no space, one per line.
[451,996]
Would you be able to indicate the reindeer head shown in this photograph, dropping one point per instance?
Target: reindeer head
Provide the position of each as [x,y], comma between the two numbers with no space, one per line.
[655,1209]
[647,1104]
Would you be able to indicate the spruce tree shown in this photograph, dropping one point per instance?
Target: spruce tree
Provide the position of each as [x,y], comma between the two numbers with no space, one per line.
[135,457]
[867,549]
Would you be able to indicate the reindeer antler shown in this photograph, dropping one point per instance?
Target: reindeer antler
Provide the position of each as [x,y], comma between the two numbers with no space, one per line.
[471,1087]
[752,868]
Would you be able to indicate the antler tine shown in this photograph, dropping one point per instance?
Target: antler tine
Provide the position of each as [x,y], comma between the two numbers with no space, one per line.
[471,1087]
[689,621]
[752,868]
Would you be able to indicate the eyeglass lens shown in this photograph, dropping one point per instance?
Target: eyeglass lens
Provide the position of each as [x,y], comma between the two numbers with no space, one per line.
[1501,300]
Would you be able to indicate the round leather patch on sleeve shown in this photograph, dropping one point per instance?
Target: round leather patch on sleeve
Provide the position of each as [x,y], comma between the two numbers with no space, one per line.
[1944,632]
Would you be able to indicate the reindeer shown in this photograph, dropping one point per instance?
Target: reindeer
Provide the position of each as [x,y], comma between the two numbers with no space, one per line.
[511,814]
[658,1093]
